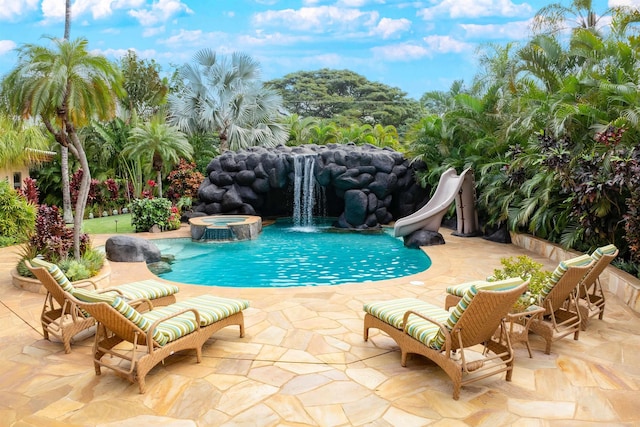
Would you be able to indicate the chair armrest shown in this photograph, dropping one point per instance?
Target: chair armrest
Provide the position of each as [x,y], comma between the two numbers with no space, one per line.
[135,303]
[443,329]
[155,324]
[105,290]
[86,283]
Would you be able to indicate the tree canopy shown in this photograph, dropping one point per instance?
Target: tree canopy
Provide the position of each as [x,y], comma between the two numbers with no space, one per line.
[328,93]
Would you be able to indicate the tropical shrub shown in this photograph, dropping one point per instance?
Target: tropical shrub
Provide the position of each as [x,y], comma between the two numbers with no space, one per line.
[17,216]
[30,191]
[145,213]
[89,265]
[184,181]
[525,268]
[52,238]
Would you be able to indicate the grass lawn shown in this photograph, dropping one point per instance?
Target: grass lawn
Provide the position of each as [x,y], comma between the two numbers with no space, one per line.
[108,225]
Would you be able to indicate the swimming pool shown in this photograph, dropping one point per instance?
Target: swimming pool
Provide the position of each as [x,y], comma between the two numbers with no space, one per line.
[284,256]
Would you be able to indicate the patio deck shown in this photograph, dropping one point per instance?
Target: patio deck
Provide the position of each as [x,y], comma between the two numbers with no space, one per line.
[303,362]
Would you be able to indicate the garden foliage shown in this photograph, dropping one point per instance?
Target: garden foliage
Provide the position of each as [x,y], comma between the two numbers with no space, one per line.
[17,216]
[145,213]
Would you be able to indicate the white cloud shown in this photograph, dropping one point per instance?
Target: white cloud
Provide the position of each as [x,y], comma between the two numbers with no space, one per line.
[352,3]
[161,11]
[273,39]
[183,37]
[389,27]
[6,46]
[153,31]
[119,53]
[54,9]
[12,9]
[400,52]
[475,9]
[446,44]
[515,30]
[630,3]
[316,19]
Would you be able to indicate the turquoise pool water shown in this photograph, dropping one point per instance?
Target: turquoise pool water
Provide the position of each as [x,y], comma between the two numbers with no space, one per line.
[284,256]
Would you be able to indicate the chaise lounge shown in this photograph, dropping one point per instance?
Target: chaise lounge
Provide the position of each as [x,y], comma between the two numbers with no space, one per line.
[590,292]
[447,337]
[559,299]
[62,319]
[156,334]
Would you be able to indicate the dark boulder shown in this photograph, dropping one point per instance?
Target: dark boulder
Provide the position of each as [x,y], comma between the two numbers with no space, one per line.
[423,238]
[131,249]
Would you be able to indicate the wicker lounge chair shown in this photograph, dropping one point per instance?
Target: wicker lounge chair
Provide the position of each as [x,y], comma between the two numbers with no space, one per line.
[62,319]
[559,299]
[446,337]
[590,292]
[456,292]
[155,334]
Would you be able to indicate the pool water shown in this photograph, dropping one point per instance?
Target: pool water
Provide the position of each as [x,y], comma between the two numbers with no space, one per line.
[284,256]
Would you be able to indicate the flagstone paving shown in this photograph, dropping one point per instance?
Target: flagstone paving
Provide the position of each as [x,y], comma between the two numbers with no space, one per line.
[303,362]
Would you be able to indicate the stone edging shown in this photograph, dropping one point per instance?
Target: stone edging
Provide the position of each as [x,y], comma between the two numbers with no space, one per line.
[102,280]
[622,284]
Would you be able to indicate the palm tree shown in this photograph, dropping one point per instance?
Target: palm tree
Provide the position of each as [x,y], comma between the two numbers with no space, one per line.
[65,86]
[226,97]
[556,17]
[67,212]
[20,143]
[158,146]
[323,134]
[300,129]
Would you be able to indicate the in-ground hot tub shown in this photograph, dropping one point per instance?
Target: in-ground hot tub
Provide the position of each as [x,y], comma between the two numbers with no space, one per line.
[225,227]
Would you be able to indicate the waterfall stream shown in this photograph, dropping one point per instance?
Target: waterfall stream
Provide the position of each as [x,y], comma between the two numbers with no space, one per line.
[304,190]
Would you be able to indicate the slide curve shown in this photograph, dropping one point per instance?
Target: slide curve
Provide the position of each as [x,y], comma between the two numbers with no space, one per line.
[429,217]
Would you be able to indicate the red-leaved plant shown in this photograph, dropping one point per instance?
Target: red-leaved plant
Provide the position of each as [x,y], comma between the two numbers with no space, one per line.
[52,238]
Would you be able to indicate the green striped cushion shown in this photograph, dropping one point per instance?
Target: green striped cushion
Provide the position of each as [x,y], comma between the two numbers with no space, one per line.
[502,285]
[459,290]
[427,332]
[392,312]
[560,270]
[136,318]
[439,338]
[87,295]
[150,289]
[55,272]
[603,250]
[210,308]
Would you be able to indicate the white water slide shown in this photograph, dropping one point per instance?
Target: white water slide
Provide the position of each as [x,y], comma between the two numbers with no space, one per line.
[429,217]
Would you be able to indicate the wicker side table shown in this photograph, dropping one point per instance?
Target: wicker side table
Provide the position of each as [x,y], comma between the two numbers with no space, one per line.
[519,323]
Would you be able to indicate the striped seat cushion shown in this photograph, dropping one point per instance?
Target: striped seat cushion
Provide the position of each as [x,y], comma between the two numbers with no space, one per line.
[121,306]
[88,295]
[55,272]
[210,308]
[136,318]
[149,289]
[562,268]
[392,312]
[603,250]
[459,290]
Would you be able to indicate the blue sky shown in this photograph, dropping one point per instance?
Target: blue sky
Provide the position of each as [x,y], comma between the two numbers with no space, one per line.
[417,46]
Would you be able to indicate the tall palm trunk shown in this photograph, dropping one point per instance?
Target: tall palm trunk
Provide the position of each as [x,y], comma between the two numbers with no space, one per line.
[67,213]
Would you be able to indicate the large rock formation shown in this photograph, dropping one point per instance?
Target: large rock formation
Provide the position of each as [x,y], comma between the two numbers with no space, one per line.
[364,186]
[131,249]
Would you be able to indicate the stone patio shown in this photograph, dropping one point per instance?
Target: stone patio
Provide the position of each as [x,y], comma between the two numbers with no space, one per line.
[303,362]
